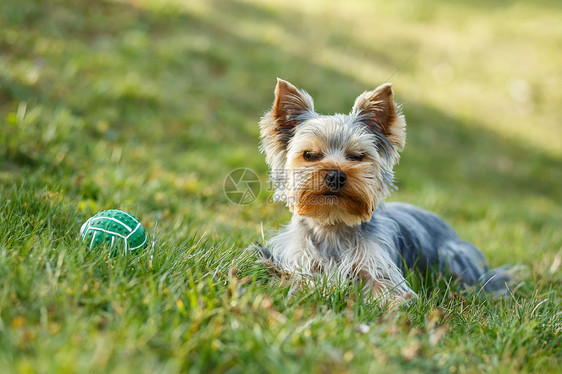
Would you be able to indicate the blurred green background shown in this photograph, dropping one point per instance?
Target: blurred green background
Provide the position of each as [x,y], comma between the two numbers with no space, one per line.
[147,105]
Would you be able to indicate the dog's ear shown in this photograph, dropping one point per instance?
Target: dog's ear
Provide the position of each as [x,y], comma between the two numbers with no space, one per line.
[377,110]
[290,107]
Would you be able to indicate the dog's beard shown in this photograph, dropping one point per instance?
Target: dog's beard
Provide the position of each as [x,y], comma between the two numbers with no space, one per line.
[352,204]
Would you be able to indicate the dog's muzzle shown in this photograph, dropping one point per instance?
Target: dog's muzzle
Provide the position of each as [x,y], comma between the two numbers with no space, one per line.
[335,180]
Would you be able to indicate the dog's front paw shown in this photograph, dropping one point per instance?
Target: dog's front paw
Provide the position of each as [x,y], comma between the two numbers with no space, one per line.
[264,253]
[399,300]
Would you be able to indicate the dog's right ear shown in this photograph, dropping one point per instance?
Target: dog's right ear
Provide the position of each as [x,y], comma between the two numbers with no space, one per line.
[291,107]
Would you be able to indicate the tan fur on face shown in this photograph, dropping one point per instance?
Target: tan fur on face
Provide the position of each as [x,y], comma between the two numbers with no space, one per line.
[350,205]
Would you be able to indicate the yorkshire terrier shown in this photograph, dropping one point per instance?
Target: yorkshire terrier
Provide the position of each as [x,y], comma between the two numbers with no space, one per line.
[333,172]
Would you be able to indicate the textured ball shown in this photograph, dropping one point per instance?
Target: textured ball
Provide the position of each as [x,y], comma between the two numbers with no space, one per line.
[115,228]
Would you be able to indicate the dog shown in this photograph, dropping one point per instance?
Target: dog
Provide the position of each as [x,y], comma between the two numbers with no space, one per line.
[334,172]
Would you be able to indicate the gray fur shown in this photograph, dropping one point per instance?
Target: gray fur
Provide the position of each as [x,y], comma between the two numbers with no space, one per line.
[412,238]
[423,240]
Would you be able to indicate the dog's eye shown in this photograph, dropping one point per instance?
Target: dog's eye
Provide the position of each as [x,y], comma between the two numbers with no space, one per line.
[311,156]
[357,157]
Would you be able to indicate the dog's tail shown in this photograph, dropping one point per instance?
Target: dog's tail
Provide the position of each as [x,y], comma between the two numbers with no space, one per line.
[499,280]
[465,262]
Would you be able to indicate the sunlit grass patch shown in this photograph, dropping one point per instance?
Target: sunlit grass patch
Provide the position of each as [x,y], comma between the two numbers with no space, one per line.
[148,105]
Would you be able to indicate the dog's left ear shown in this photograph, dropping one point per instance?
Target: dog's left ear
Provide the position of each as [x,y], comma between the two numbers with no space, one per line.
[290,108]
[377,110]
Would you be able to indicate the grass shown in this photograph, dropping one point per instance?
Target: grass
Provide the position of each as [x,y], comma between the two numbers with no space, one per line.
[147,105]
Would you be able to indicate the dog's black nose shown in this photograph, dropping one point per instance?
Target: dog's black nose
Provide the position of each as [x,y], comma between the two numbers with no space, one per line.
[335,180]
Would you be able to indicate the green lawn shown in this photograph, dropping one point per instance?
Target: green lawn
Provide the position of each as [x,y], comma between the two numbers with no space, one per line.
[147,105]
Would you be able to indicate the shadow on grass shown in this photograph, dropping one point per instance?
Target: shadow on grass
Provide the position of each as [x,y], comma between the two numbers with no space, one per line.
[176,83]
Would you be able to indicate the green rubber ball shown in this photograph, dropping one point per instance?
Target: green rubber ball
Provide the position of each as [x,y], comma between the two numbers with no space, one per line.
[116,229]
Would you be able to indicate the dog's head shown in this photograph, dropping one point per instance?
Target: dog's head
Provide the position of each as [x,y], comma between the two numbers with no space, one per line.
[333,169]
